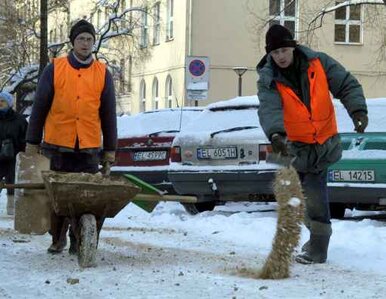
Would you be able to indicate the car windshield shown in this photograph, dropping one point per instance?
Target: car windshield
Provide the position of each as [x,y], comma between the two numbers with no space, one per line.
[233,130]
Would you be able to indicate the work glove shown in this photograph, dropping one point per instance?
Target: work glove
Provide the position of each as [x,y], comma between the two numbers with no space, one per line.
[108,158]
[32,149]
[360,120]
[278,143]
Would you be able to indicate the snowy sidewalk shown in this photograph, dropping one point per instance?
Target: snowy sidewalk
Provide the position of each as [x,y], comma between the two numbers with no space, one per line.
[170,254]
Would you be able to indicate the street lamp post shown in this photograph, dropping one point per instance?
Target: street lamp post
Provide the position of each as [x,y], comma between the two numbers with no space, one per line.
[240,70]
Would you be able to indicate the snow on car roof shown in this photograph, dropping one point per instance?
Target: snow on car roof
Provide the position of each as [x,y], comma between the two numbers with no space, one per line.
[235,102]
[145,123]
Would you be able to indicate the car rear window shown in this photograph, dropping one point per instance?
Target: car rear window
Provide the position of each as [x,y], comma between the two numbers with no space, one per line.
[375,145]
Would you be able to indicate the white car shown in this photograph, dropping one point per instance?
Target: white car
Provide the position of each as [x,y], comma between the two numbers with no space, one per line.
[221,156]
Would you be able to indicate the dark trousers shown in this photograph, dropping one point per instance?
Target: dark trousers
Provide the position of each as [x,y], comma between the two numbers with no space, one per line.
[70,162]
[316,197]
[7,173]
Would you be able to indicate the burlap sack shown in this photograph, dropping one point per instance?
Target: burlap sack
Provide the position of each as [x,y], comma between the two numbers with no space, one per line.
[32,207]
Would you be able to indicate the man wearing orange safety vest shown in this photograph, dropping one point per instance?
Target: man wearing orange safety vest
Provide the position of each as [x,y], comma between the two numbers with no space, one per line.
[74,106]
[297,114]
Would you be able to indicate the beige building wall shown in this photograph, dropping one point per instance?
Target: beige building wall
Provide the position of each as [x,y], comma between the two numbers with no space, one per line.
[223,31]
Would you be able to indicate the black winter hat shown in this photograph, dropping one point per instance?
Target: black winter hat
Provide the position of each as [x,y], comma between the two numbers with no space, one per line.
[278,37]
[80,27]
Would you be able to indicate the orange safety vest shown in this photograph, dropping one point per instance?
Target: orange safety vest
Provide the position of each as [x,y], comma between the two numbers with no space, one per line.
[74,112]
[302,125]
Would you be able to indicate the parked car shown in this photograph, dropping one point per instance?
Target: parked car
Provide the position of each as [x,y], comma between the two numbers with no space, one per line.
[358,180]
[144,143]
[221,156]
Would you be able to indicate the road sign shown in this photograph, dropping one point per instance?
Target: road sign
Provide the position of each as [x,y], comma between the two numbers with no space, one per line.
[197,77]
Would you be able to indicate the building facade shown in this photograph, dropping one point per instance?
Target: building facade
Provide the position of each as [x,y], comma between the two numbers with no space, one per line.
[149,64]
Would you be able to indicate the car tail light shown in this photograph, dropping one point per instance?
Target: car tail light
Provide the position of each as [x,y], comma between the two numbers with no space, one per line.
[264,151]
[175,155]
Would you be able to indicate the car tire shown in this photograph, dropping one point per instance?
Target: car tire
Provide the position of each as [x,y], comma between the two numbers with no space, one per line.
[337,210]
[197,208]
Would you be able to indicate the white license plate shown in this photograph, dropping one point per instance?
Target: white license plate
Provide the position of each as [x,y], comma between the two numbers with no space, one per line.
[217,153]
[351,176]
[149,156]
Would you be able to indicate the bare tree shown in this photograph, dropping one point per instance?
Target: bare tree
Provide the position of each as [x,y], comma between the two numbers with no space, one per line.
[43,35]
[28,34]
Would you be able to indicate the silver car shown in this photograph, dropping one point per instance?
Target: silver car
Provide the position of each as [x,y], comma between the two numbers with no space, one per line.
[221,156]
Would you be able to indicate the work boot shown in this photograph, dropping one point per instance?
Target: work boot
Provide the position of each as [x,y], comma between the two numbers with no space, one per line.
[59,226]
[73,243]
[315,250]
[57,247]
[306,246]
[10,205]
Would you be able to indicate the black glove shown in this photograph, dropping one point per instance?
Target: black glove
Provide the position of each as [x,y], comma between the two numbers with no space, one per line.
[279,146]
[360,120]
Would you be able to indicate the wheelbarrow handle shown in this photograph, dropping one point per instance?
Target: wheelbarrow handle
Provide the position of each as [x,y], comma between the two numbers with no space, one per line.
[23,186]
[156,197]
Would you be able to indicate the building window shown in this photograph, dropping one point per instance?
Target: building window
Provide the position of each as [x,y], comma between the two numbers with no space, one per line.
[169,92]
[123,5]
[142,96]
[284,12]
[157,24]
[122,71]
[169,20]
[99,19]
[61,33]
[155,94]
[143,38]
[348,24]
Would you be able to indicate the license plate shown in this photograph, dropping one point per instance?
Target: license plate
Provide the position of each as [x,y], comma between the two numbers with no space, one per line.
[217,153]
[352,176]
[149,156]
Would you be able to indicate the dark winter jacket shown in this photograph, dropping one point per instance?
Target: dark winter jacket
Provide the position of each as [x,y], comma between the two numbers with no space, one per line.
[13,126]
[342,85]
[45,94]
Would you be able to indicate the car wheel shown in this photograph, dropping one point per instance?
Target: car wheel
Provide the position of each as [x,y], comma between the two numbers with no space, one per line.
[197,208]
[337,210]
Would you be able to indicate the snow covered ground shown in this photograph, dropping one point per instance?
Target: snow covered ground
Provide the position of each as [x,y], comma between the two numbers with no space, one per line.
[170,254]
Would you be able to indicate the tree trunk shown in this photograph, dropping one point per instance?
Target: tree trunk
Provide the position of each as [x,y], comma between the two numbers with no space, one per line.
[43,36]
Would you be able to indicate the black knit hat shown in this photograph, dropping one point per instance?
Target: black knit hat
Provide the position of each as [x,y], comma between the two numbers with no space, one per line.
[278,37]
[80,27]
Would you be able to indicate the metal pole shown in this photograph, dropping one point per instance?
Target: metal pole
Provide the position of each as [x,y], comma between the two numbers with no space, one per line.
[240,85]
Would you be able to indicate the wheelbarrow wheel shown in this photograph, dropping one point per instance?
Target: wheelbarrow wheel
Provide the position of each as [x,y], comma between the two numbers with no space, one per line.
[88,241]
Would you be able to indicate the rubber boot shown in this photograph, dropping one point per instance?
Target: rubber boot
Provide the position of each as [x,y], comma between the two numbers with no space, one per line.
[59,226]
[10,205]
[306,246]
[316,251]
[73,243]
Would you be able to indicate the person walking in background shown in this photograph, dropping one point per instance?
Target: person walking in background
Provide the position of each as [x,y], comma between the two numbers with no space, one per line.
[74,105]
[13,128]
[297,115]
